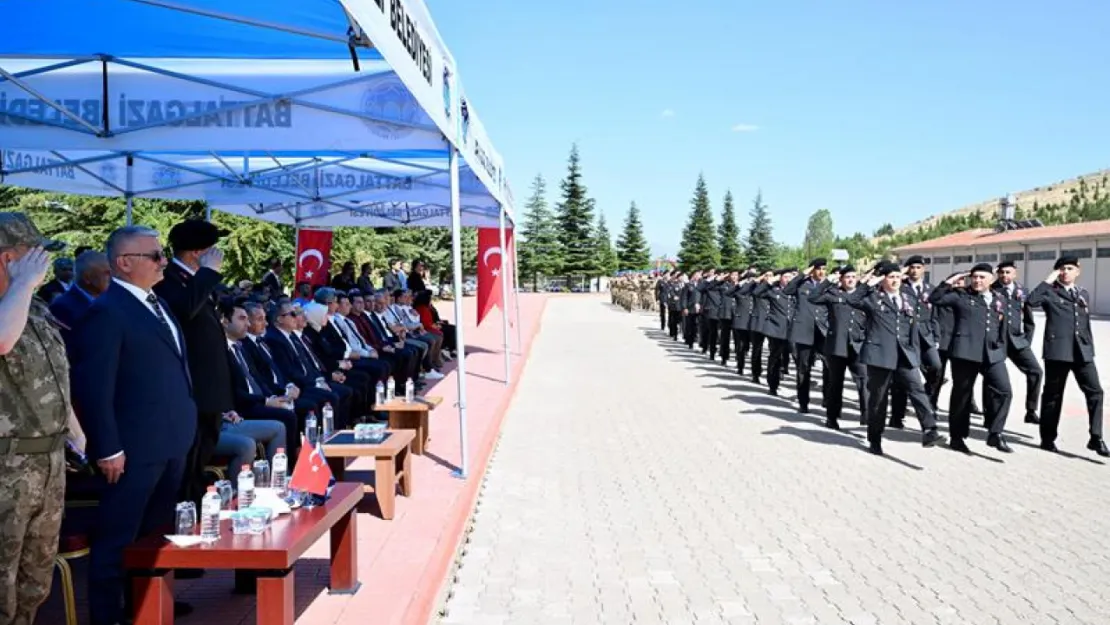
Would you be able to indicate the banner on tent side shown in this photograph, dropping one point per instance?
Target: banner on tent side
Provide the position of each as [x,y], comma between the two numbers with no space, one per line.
[308,105]
[475,146]
[313,256]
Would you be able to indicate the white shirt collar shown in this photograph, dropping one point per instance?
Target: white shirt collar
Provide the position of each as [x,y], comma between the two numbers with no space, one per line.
[231,344]
[187,269]
[134,290]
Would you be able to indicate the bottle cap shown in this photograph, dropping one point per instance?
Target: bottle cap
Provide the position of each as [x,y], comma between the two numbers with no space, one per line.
[281,450]
[246,467]
[211,489]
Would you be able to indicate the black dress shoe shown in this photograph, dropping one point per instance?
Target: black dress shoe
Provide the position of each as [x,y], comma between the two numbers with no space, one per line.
[876,447]
[932,437]
[1031,417]
[1098,446]
[975,409]
[958,444]
[1049,447]
[999,443]
[832,424]
[773,391]
[863,419]
[898,425]
[803,409]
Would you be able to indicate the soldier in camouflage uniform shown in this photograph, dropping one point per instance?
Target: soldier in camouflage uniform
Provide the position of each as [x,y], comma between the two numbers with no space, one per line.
[34,415]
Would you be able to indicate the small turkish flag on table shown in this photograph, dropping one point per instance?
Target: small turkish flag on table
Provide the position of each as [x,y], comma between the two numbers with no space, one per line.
[313,256]
[311,474]
[491,269]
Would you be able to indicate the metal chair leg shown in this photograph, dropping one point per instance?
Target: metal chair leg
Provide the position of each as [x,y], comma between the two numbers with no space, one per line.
[66,573]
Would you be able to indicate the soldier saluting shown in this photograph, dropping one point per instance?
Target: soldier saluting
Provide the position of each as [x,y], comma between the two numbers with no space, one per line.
[978,347]
[1068,348]
[1019,334]
[34,415]
[844,342]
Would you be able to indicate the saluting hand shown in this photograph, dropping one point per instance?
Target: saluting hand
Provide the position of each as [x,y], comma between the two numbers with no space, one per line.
[30,270]
[1052,276]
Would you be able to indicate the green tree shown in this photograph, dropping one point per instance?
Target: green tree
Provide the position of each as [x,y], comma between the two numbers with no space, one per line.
[699,245]
[575,219]
[728,236]
[760,243]
[632,247]
[539,250]
[819,235]
[606,256]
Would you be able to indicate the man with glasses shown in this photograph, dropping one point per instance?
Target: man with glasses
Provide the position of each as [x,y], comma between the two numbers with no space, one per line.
[132,384]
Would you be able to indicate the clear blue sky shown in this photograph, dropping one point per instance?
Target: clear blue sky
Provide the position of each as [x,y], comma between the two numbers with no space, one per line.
[876,110]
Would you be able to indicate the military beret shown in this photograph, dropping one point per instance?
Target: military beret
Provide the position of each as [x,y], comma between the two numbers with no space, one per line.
[843,269]
[1004,264]
[916,259]
[790,270]
[194,234]
[1066,260]
[982,267]
[818,263]
[886,268]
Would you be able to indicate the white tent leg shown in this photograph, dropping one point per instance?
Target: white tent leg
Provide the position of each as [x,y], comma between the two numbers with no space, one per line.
[456,260]
[207,212]
[516,298]
[130,178]
[504,295]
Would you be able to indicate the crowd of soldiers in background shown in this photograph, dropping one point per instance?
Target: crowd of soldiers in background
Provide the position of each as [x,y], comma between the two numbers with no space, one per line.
[895,335]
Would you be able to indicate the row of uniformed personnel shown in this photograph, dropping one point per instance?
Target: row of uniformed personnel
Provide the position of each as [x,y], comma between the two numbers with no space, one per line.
[896,335]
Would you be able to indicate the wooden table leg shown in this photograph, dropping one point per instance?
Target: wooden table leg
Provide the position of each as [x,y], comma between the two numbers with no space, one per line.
[404,460]
[153,595]
[408,420]
[276,604]
[344,555]
[423,433]
[385,485]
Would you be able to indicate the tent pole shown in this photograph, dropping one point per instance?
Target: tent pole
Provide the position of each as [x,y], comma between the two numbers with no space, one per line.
[504,294]
[460,323]
[516,298]
[130,176]
[207,211]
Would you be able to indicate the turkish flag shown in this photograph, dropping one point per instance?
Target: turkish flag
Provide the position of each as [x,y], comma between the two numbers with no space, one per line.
[311,474]
[313,256]
[491,269]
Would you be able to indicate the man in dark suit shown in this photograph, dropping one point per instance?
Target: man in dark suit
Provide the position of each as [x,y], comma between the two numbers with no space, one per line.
[978,347]
[810,325]
[712,296]
[63,279]
[843,344]
[394,278]
[741,294]
[405,361]
[189,287]
[890,352]
[132,388]
[725,313]
[674,305]
[267,372]
[1069,347]
[297,365]
[272,279]
[1019,334]
[690,309]
[917,292]
[253,400]
[661,298]
[94,276]
[760,309]
[776,326]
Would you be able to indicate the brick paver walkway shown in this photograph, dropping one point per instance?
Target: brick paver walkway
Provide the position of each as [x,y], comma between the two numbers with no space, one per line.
[637,483]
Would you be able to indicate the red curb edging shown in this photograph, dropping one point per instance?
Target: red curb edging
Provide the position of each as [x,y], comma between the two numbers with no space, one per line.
[434,580]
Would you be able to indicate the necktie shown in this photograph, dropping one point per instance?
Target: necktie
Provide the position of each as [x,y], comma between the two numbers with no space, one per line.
[252,386]
[152,299]
[305,346]
[260,344]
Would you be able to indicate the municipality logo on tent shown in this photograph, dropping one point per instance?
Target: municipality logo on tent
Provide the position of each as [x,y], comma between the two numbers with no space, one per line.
[387,101]
[109,175]
[447,92]
[163,177]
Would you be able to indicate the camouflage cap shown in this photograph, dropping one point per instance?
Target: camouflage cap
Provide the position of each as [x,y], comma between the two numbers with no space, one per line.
[17,229]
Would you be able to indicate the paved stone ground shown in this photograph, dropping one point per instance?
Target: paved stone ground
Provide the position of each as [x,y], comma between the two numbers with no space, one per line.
[636,482]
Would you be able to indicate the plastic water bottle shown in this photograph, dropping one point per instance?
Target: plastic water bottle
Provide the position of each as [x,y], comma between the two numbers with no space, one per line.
[246,487]
[280,469]
[410,391]
[390,390]
[379,394]
[261,473]
[310,426]
[328,422]
[210,513]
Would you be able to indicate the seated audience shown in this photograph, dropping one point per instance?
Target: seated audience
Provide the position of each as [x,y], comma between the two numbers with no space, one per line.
[422,304]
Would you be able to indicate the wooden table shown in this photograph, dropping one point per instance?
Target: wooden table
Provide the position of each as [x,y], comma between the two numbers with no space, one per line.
[269,556]
[392,463]
[411,416]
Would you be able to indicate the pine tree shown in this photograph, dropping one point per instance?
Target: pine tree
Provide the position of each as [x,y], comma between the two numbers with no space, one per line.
[728,236]
[632,248]
[538,247]
[603,242]
[699,245]
[760,244]
[575,220]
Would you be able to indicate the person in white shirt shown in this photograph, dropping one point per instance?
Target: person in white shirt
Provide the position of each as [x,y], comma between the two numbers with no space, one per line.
[402,307]
[427,343]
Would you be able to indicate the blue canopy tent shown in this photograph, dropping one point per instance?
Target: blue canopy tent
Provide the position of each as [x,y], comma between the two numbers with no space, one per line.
[309,112]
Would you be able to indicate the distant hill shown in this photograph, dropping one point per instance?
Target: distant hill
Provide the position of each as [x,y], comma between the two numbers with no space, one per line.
[1079,199]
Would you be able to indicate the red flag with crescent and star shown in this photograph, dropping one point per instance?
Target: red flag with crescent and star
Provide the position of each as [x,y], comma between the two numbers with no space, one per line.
[313,256]
[312,473]
[491,269]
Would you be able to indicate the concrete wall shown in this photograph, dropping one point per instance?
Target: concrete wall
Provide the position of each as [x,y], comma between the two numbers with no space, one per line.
[1034,261]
